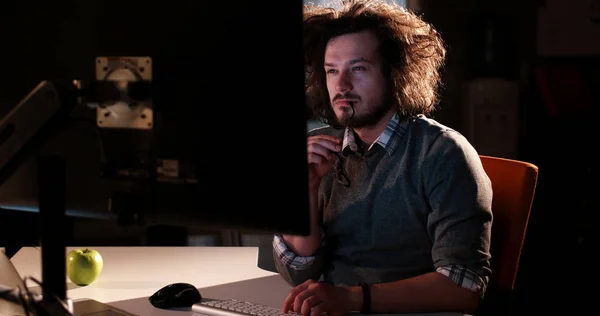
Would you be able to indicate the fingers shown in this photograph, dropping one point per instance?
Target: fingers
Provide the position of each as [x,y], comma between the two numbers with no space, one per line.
[309,305]
[304,302]
[320,148]
[325,142]
[318,310]
[291,297]
[306,298]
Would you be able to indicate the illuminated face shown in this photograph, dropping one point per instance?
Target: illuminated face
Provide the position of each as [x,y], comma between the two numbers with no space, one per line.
[355,81]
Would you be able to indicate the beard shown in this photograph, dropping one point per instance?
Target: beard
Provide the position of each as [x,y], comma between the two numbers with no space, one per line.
[371,117]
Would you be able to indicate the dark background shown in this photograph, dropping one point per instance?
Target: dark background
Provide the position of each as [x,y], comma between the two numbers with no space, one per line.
[551,51]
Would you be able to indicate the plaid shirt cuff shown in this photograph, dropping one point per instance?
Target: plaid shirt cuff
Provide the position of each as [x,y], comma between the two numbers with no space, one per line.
[289,258]
[465,277]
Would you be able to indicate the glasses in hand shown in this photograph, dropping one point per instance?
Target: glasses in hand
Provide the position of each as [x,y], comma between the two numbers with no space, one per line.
[340,175]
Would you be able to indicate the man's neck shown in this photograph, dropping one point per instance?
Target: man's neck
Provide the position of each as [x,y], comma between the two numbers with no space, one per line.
[368,134]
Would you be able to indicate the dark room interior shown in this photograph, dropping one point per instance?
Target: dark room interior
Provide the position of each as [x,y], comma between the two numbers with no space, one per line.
[521,81]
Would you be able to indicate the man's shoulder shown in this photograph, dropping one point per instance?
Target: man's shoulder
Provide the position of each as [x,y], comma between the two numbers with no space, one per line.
[433,129]
[430,125]
[438,137]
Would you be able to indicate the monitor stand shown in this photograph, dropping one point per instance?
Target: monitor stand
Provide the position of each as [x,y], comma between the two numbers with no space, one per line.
[265,259]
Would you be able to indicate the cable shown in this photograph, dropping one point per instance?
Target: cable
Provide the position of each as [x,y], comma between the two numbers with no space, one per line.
[15,295]
[61,303]
[98,134]
[33,302]
[10,294]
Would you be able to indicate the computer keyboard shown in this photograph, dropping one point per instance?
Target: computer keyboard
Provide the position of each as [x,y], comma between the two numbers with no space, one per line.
[210,307]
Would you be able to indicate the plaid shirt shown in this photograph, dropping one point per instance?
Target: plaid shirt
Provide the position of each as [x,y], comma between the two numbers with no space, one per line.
[459,274]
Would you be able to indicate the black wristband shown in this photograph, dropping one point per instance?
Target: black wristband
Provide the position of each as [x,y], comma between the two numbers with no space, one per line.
[366,307]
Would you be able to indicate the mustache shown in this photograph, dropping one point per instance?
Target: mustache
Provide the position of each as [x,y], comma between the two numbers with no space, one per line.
[346,96]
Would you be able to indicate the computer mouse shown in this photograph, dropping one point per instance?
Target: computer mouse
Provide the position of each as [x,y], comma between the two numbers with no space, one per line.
[175,295]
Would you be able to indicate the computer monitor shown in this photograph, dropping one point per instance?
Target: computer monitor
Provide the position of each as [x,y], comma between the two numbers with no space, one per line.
[223,141]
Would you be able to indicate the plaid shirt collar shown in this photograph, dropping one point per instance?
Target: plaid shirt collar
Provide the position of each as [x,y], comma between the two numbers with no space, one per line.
[388,139]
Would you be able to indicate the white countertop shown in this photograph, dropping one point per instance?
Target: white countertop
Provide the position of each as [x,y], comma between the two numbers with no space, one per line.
[134,272]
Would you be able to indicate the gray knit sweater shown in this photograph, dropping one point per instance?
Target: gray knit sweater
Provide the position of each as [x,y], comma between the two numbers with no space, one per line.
[417,201]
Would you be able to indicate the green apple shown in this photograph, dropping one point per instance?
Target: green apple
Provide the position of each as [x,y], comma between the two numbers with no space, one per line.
[84,266]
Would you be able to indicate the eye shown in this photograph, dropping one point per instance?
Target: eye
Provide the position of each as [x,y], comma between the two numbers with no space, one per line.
[358,68]
[331,71]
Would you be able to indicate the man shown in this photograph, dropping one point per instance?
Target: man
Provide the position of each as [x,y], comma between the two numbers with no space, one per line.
[400,204]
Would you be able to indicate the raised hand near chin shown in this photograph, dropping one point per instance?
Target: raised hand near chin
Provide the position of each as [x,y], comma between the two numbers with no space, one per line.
[321,150]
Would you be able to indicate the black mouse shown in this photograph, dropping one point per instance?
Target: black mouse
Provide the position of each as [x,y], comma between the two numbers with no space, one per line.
[175,295]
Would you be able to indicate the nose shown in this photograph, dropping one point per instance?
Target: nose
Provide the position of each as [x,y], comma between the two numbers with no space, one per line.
[344,83]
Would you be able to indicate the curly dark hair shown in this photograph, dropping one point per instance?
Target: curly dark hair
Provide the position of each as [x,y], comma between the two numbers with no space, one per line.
[411,49]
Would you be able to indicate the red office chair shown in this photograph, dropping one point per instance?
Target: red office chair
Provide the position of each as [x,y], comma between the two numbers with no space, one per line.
[514,183]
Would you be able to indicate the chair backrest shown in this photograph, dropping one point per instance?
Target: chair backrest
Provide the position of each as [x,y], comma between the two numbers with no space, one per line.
[514,183]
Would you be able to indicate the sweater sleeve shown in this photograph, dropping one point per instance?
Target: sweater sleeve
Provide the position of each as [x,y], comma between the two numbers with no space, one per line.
[460,195]
[293,268]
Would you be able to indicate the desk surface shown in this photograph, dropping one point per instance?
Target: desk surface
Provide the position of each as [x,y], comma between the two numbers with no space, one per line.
[132,274]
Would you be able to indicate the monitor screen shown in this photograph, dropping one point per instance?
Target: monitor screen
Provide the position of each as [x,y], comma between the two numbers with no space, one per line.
[219,138]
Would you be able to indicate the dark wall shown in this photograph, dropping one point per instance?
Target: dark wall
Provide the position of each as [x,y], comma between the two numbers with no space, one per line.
[557,111]
[484,39]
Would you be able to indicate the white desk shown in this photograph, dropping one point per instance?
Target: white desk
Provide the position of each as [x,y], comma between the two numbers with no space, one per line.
[132,274]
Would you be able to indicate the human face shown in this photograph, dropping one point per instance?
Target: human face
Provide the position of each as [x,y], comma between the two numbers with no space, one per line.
[355,81]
